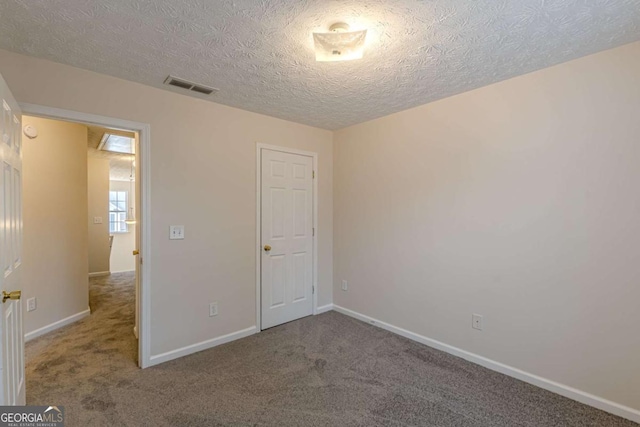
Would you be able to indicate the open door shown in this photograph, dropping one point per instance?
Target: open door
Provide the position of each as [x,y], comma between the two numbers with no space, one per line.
[12,340]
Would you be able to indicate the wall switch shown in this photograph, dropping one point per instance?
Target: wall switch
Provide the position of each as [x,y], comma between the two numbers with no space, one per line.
[476,322]
[31,304]
[176,232]
[97,220]
[345,285]
[213,309]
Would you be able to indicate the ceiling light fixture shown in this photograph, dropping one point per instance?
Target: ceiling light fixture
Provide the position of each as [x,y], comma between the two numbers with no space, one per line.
[117,144]
[339,44]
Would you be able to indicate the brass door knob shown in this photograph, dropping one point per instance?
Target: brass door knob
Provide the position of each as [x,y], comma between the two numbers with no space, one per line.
[136,252]
[267,248]
[11,295]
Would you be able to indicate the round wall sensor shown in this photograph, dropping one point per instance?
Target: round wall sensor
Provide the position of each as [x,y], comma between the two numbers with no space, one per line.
[30,131]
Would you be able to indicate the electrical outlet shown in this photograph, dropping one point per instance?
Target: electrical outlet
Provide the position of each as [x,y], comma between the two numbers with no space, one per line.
[176,232]
[345,285]
[97,220]
[476,322]
[213,309]
[32,304]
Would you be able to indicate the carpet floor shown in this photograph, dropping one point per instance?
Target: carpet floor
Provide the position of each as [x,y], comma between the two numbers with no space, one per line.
[326,370]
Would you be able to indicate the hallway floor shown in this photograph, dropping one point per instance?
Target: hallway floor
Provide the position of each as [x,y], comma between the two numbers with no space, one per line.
[74,365]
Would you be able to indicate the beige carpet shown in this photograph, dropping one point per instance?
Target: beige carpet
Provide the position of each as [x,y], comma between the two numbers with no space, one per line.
[327,370]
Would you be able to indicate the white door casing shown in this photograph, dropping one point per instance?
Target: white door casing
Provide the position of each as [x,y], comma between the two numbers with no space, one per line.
[138,207]
[12,342]
[287,228]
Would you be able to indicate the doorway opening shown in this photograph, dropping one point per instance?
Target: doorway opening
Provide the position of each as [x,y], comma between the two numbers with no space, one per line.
[129,189]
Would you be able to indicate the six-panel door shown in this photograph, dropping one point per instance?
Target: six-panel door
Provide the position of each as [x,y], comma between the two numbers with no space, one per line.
[12,342]
[287,237]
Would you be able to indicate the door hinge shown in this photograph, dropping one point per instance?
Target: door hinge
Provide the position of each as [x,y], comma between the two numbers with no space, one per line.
[314,231]
[313,290]
[313,173]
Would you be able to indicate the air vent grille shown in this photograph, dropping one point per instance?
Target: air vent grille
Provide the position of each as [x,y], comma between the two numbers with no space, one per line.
[186,84]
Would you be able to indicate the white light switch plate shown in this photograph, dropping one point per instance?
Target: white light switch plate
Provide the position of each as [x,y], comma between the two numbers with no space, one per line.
[97,220]
[176,232]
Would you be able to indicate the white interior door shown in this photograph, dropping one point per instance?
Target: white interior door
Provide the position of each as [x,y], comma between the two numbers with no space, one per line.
[287,237]
[12,342]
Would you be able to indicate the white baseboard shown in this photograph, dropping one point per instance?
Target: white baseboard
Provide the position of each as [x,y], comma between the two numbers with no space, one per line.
[204,345]
[55,325]
[324,308]
[99,273]
[123,271]
[561,389]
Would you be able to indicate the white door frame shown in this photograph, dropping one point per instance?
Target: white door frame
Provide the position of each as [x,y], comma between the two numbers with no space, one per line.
[144,130]
[259,148]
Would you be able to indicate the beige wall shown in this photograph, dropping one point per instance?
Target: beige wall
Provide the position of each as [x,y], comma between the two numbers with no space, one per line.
[518,201]
[55,222]
[98,182]
[203,166]
[124,244]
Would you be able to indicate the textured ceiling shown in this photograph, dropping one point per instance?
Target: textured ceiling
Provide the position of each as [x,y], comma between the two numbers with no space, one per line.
[259,52]
[119,164]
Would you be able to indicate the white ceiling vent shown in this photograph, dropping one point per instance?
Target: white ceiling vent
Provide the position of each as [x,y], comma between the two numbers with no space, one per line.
[186,84]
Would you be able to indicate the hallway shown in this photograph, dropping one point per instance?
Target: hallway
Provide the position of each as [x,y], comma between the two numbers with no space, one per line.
[72,365]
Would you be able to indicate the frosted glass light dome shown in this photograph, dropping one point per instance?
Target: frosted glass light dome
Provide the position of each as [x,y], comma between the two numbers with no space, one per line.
[339,44]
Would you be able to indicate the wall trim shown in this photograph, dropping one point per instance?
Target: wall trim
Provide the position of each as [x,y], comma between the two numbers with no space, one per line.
[259,147]
[123,271]
[144,131]
[324,308]
[99,274]
[561,389]
[204,345]
[56,325]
